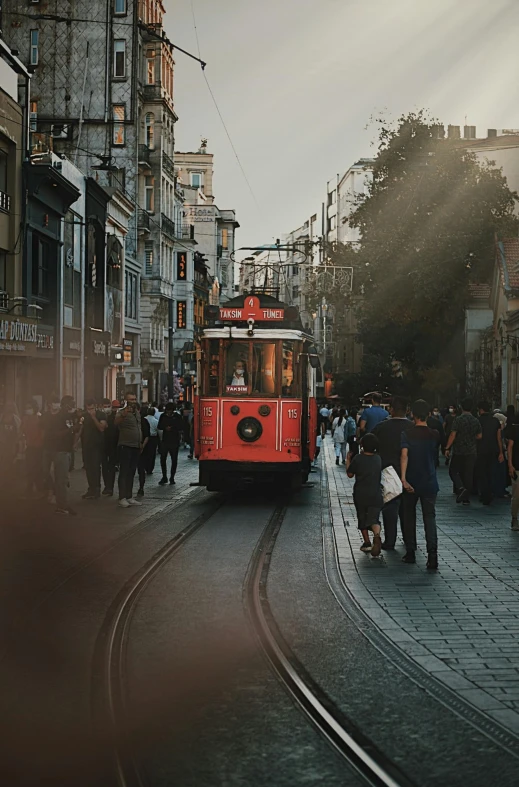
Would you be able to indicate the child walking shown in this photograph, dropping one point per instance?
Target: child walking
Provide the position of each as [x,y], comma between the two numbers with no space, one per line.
[366,468]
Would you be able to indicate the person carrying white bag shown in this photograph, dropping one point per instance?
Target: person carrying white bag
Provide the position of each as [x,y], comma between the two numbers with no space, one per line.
[339,434]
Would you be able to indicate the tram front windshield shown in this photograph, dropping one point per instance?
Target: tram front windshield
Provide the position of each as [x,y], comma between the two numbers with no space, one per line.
[251,368]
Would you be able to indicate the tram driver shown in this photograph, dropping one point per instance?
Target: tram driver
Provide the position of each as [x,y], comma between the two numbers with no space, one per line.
[239,375]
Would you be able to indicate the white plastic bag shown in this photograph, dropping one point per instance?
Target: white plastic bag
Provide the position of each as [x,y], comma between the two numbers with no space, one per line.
[391,484]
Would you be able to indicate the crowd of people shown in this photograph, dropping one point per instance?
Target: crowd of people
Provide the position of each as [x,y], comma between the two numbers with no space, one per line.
[480,448]
[118,440]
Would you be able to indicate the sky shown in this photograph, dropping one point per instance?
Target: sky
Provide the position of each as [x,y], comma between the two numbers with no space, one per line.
[297,82]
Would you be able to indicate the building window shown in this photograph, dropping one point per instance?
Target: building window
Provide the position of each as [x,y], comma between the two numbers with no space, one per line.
[149,193]
[150,67]
[72,270]
[33,116]
[4,199]
[295,291]
[119,57]
[181,314]
[40,267]
[225,238]
[196,179]
[35,55]
[3,278]
[332,198]
[119,112]
[148,258]
[131,293]
[120,7]
[333,222]
[295,270]
[150,130]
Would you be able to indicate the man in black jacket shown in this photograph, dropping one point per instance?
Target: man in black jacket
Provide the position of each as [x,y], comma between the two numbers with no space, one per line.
[389,433]
[171,425]
[490,447]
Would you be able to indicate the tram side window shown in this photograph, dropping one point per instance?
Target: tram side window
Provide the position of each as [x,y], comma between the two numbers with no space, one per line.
[237,373]
[264,369]
[214,367]
[287,372]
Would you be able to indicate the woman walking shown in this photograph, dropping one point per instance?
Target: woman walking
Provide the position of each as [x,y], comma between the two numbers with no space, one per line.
[339,434]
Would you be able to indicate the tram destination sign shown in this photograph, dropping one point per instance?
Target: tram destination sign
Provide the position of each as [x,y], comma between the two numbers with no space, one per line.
[251,310]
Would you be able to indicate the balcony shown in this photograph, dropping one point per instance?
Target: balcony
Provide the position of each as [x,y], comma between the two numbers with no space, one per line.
[187,231]
[168,227]
[152,92]
[168,166]
[143,222]
[144,157]
[5,202]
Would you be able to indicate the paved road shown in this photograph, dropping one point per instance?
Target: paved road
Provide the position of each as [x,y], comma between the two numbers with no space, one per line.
[460,624]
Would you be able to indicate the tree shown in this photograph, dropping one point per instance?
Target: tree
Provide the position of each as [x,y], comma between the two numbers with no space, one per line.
[428,225]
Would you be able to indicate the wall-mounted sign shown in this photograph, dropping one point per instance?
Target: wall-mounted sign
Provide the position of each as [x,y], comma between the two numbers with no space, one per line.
[181,314]
[181,266]
[251,310]
[128,350]
[71,343]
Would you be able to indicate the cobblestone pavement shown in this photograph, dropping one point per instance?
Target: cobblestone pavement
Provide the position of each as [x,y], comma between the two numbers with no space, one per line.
[460,624]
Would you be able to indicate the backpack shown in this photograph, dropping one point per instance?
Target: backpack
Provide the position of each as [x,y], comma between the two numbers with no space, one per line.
[352,426]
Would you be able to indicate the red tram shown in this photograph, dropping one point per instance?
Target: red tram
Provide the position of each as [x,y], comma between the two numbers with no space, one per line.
[255,409]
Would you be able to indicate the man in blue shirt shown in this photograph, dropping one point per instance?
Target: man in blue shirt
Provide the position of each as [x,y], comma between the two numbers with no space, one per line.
[373,415]
[418,472]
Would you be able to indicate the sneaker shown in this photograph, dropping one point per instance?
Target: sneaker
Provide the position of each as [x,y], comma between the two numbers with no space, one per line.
[107,492]
[377,546]
[462,495]
[366,547]
[140,492]
[432,561]
[190,456]
[89,496]
[409,557]
[172,481]
[163,481]
[387,547]
[69,511]
[124,503]
[515,524]
[337,461]
[466,502]
[133,502]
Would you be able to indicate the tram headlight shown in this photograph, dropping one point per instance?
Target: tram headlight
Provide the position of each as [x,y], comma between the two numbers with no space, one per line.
[249,429]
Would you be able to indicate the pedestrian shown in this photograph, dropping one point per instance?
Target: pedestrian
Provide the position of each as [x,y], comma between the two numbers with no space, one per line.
[510,414]
[339,434]
[59,441]
[128,421]
[93,441]
[450,415]
[170,424]
[353,445]
[10,444]
[144,461]
[371,416]
[418,473]
[110,440]
[434,423]
[324,412]
[489,452]
[437,414]
[464,434]
[512,435]
[188,416]
[366,467]
[389,435]
[32,432]
[153,440]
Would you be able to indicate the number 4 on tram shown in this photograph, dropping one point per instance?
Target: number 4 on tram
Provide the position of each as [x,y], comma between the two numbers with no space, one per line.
[255,411]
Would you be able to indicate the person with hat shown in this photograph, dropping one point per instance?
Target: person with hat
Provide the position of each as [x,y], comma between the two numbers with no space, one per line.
[111,437]
[171,426]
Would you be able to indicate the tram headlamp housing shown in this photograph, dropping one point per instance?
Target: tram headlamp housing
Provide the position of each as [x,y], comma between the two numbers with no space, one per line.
[249,430]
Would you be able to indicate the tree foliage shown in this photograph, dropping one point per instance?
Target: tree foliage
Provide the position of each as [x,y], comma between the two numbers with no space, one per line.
[427,227]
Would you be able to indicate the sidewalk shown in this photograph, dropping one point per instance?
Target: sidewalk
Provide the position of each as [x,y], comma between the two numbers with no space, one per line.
[461,623]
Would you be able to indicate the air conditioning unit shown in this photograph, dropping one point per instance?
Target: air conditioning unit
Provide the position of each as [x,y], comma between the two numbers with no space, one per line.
[60,131]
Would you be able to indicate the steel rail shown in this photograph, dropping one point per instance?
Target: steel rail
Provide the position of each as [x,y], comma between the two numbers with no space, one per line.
[112,640]
[359,752]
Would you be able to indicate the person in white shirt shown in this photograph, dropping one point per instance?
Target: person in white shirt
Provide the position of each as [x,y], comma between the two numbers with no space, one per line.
[340,436]
[153,441]
[324,412]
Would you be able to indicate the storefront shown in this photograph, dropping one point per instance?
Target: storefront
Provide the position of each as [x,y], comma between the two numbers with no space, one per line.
[27,368]
[132,372]
[97,361]
[71,363]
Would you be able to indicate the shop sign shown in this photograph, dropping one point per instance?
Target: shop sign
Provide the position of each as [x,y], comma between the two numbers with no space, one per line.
[45,340]
[18,336]
[128,350]
[97,347]
[251,310]
[71,343]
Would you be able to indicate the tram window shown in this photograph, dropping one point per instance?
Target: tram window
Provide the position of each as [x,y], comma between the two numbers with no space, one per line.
[264,369]
[287,371]
[214,367]
[236,372]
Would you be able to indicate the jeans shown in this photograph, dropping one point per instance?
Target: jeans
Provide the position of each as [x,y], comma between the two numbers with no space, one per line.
[172,450]
[108,465]
[150,452]
[128,461]
[93,457]
[484,472]
[61,462]
[390,513]
[461,471]
[427,502]
[340,450]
